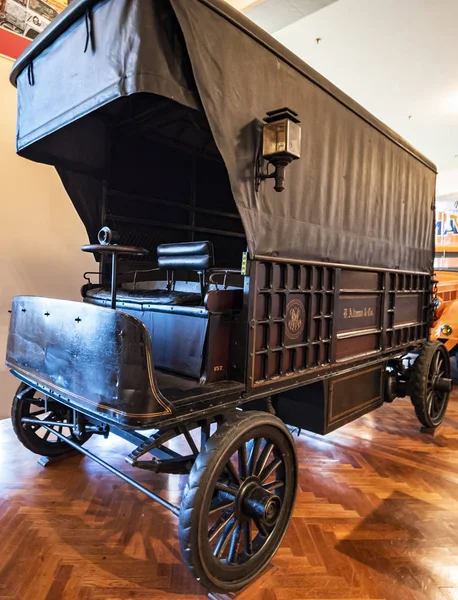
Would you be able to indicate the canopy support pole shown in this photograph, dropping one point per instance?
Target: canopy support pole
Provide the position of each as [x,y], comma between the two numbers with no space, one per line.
[114,277]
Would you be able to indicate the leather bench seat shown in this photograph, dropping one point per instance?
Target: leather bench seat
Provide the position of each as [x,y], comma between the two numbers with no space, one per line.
[146,297]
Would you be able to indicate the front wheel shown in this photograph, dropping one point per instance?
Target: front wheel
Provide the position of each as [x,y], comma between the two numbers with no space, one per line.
[238,501]
[30,404]
[431,384]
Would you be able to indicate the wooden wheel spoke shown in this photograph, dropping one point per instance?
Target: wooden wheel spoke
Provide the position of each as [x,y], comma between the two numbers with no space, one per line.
[274,485]
[261,528]
[233,472]
[248,540]
[437,360]
[218,527]
[267,472]
[225,488]
[254,455]
[225,538]
[243,461]
[438,400]
[263,458]
[235,542]
[224,505]
[38,413]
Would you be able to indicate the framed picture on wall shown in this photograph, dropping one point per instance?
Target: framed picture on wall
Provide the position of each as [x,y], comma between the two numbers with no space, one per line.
[22,20]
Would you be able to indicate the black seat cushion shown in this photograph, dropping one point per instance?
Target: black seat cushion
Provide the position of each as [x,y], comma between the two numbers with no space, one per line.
[140,297]
[195,256]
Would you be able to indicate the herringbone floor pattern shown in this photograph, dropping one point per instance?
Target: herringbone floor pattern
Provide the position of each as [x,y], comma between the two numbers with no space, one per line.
[376,518]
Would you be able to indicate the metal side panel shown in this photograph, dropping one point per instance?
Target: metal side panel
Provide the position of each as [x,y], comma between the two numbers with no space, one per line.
[97,358]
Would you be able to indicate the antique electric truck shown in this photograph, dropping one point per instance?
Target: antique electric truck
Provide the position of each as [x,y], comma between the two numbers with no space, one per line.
[259,266]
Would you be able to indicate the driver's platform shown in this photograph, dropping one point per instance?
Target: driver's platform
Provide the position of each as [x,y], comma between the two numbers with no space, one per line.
[181,391]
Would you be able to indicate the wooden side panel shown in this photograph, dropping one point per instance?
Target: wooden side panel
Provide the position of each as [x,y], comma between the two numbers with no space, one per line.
[408,308]
[310,319]
[293,308]
[354,394]
[363,280]
[358,314]
[356,346]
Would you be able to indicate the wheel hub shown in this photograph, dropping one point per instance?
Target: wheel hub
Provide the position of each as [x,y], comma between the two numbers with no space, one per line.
[442,385]
[255,502]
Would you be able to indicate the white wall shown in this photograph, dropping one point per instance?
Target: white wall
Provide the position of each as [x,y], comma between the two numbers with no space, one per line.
[447,182]
[243,4]
[397,59]
[40,232]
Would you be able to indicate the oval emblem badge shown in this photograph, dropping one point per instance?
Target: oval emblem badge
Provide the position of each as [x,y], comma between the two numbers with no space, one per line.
[295,319]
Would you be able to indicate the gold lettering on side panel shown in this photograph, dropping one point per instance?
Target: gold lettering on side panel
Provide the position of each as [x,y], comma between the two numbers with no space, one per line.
[352,313]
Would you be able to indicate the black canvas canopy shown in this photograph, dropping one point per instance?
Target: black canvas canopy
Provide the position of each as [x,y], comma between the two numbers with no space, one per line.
[107,71]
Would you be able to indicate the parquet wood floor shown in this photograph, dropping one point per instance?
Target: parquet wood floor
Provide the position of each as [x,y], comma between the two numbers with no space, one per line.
[376,518]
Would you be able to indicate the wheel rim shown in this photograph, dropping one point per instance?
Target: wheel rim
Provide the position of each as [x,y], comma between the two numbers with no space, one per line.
[35,405]
[248,511]
[436,400]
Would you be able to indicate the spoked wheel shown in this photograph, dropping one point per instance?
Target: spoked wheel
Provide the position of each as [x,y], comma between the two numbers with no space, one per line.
[28,403]
[431,384]
[238,501]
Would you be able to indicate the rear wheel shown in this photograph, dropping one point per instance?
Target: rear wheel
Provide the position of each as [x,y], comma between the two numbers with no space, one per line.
[429,391]
[238,501]
[29,403]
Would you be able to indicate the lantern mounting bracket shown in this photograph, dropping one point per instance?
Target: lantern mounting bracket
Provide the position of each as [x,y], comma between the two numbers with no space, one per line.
[262,175]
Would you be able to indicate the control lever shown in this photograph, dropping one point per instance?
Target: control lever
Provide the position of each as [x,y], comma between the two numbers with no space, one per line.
[107,245]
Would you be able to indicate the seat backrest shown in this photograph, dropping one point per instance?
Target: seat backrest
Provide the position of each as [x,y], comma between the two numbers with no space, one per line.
[195,256]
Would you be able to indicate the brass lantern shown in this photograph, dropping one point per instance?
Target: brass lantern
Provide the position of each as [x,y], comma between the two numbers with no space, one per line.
[281,144]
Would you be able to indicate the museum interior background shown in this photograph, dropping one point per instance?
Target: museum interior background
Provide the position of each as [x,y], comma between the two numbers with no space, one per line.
[39,231]
[365,48]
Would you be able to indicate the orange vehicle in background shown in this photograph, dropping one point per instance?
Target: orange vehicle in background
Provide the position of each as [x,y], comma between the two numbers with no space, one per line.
[445,328]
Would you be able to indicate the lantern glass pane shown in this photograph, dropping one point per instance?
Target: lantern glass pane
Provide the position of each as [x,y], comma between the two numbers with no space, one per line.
[269,140]
[282,131]
[275,140]
[294,139]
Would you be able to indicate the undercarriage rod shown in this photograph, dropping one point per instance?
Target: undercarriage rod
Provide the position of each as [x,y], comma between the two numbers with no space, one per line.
[171,507]
[50,423]
[88,428]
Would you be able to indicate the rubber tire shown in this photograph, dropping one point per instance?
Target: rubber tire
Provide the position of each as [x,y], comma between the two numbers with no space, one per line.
[196,488]
[34,443]
[419,382]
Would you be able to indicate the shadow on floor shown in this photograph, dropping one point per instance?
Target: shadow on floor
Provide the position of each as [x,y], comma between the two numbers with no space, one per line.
[412,542]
